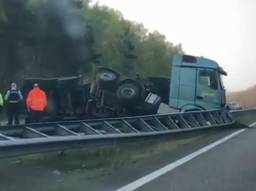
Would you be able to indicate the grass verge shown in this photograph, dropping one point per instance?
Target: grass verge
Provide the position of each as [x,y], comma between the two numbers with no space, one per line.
[245,117]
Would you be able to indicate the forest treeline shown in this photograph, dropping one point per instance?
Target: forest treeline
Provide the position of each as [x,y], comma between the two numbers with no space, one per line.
[46,38]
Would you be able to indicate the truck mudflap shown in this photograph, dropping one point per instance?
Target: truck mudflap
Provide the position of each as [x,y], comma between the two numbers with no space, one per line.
[44,137]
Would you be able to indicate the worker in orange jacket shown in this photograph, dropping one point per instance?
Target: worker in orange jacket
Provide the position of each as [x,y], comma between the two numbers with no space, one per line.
[36,103]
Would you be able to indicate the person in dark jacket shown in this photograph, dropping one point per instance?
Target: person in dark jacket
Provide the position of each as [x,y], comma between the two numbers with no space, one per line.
[1,105]
[13,97]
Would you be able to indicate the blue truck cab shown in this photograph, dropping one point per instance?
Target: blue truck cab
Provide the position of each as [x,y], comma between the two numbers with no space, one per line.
[196,84]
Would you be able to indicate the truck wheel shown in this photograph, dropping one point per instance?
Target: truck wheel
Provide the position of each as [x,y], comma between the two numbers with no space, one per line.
[107,78]
[128,93]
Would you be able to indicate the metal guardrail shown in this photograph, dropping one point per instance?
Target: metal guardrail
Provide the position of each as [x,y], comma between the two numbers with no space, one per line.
[42,137]
[243,110]
[237,113]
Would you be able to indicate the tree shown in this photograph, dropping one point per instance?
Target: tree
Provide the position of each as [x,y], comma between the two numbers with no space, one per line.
[46,38]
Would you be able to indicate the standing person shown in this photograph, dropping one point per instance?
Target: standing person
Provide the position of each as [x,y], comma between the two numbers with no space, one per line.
[36,102]
[1,103]
[13,97]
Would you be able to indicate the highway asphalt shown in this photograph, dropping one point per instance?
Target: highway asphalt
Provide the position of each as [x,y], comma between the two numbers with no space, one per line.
[229,166]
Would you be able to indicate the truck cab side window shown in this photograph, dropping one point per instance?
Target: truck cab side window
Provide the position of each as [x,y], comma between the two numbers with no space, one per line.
[208,78]
[221,83]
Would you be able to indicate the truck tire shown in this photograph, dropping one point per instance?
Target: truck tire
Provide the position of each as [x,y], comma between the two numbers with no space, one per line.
[107,78]
[128,94]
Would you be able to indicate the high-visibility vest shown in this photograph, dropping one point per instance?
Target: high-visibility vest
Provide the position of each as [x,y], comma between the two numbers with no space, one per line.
[13,96]
[36,99]
[1,100]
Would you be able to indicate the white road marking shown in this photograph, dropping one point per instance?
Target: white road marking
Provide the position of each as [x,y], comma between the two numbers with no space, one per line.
[152,176]
[253,124]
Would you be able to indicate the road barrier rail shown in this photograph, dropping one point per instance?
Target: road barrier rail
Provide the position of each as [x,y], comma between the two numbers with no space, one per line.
[43,137]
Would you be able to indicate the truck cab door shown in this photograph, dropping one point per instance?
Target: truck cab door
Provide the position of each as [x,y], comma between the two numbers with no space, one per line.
[182,87]
[208,93]
[186,87]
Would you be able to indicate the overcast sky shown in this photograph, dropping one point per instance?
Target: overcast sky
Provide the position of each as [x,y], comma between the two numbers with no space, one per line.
[223,30]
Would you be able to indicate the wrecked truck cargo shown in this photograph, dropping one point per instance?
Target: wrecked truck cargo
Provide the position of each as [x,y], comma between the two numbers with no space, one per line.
[67,96]
[115,95]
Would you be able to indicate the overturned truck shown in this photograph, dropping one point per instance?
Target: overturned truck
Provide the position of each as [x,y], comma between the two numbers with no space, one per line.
[194,84]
